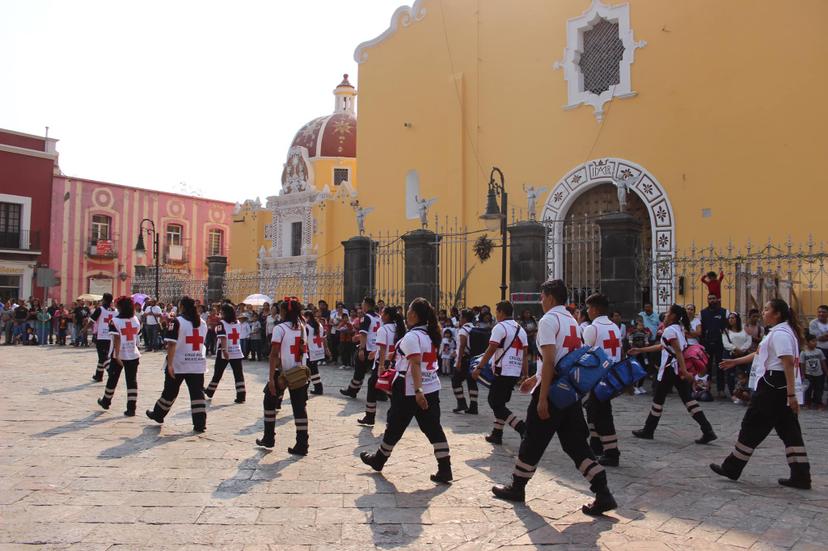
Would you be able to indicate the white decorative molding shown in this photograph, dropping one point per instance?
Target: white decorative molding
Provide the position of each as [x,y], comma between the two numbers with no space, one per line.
[662,220]
[299,174]
[404,15]
[575,29]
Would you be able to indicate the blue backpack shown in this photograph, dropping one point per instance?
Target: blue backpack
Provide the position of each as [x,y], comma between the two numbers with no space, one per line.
[486,374]
[620,376]
[577,374]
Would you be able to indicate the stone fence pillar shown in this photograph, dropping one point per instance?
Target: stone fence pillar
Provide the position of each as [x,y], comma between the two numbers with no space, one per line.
[527,261]
[422,254]
[216,269]
[360,269]
[620,255]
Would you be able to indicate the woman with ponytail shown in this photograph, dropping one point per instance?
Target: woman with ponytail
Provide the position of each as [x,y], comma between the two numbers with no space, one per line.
[123,329]
[416,391]
[391,331]
[673,372]
[287,354]
[186,362]
[228,351]
[775,379]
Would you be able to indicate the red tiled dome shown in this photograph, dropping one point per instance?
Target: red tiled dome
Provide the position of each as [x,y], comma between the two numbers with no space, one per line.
[329,136]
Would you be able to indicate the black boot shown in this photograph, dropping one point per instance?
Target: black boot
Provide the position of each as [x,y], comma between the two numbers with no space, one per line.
[317,389]
[268,440]
[443,474]
[596,446]
[706,437]
[374,460]
[104,403]
[472,408]
[520,427]
[720,470]
[609,459]
[603,502]
[347,392]
[496,437]
[301,446]
[800,477]
[461,406]
[642,433]
[516,491]
[368,420]
[800,484]
[151,415]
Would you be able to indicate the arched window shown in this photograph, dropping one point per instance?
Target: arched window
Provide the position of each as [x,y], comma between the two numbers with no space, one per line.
[215,243]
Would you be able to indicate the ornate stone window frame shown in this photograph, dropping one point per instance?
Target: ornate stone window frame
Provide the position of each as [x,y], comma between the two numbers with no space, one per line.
[575,29]
[662,220]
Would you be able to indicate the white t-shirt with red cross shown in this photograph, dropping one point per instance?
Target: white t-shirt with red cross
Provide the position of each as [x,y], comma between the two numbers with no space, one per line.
[291,343]
[668,358]
[127,330]
[386,338]
[189,354]
[230,334]
[102,316]
[316,343]
[558,327]
[369,326]
[604,333]
[417,343]
[512,342]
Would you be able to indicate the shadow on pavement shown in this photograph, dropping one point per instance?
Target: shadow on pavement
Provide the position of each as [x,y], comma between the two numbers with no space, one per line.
[91,420]
[149,438]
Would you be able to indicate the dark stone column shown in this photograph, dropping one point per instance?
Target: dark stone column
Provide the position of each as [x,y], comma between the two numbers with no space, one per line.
[216,268]
[620,255]
[360,269]
[421,258]
[527,261]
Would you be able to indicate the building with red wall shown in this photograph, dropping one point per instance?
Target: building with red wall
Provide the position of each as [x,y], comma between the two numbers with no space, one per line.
[96,227]
[28,165]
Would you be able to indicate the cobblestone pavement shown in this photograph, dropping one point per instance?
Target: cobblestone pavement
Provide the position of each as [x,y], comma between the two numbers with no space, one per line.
[74,476]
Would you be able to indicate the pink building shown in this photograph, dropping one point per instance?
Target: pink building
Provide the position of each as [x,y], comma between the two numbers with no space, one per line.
[95,226]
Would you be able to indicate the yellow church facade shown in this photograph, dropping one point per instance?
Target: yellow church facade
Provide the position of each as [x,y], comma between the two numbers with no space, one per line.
[710,115]
[719,104]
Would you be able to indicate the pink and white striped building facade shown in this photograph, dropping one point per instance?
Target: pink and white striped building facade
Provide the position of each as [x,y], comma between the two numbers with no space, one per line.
[95,226]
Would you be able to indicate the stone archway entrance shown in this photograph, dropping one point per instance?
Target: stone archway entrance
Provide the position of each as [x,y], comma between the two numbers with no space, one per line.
[585,193]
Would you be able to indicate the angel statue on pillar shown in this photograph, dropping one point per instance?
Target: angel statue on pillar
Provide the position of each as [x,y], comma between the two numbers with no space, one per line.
[623,185]
[361,213]
[422,209]
[532,194]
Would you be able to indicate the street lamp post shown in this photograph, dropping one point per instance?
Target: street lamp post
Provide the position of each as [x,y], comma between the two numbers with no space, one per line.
[495,215]
[141,250]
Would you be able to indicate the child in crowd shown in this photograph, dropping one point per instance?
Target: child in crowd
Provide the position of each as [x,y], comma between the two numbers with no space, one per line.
[447,352]
[701,389]
[713,282]
[741,393]
[62,328]
[812,363]
[255,337]
[30,337]
[640,338]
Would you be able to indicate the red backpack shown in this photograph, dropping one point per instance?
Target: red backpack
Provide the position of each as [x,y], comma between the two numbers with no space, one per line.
[696,358]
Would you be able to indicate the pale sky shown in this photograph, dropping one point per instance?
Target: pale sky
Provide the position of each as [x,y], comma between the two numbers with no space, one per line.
[152,93]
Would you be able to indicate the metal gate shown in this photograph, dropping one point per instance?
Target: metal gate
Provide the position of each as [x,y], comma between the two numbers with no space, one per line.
[172,285]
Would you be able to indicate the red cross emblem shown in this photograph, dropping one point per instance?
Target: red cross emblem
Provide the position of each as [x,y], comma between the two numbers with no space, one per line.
[572,341]
[517,344]
[195,339]
[430,358]
[234,336]
[297,349]
[129,331]
[317,340]
[107,319]
[612,342]
[377,327]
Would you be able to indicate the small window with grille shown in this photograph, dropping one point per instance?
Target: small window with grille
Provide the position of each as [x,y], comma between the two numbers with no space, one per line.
[601,57]
[296,239]
[341,175]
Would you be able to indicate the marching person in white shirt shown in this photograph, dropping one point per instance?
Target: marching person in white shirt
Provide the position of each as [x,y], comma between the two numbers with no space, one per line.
[774,405]
[673,372]
[287,371]
[416,391]
[186,362]
[124,329]
[228,350]
[605,334]
[100,319]
[462,368]
[558,334]
[317,348]
[389,334]
[510,365]
[366,347]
